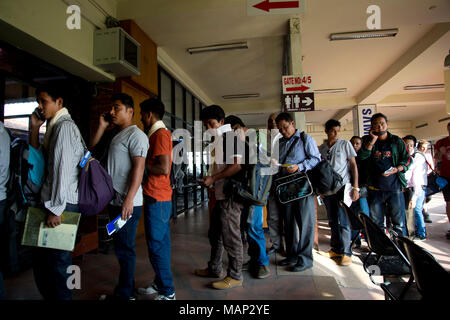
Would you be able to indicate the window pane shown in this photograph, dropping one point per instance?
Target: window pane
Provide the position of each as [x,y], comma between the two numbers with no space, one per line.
[197,110]
[189,108]
[166,91]
[178,101]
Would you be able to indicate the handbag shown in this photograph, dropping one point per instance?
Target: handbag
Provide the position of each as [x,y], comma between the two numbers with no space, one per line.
[294,186]
[95,186]
[435,182]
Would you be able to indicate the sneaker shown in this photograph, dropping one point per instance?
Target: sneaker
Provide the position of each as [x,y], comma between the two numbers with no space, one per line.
[227,283]
[345,260]
[149,290]
[262,272]
[163,297]
[206,273]
[107,297]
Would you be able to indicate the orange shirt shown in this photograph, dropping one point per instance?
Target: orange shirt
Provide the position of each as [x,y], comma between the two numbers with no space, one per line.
[158,186]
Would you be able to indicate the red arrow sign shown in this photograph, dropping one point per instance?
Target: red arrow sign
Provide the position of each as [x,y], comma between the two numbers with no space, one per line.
[302,89]
[266,5]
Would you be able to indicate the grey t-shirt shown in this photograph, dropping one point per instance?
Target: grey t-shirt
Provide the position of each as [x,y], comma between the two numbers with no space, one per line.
[5,142]
[338,156]
[129,143]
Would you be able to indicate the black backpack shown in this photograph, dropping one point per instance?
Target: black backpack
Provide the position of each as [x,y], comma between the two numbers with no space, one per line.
[250,186]
[324,179]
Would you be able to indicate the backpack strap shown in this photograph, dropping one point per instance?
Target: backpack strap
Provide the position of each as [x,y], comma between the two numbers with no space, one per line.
[289,151]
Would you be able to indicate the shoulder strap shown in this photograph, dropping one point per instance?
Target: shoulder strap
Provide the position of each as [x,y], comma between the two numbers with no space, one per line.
[418,152]
[289,151]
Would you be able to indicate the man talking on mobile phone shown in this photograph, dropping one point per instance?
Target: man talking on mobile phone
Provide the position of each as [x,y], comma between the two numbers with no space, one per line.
[389,158]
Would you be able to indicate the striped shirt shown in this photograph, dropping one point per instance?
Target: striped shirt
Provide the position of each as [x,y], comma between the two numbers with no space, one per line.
[62,173]
[5,142]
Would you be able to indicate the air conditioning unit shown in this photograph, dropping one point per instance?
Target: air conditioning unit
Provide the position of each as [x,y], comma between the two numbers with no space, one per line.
[116,52]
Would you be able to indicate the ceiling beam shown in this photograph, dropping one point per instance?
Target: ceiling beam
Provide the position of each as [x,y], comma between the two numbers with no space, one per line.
[429,98]
[383,85]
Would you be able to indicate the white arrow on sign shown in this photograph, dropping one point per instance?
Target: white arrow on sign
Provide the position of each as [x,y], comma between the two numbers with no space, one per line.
[308,101]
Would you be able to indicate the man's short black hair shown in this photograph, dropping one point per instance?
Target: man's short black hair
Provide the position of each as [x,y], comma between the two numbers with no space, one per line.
[55,91]
[233,120]
[126,100]
[212,112]
[284,116]
[356,137]
[378,115]
[410,137]
[331,124]
[155,106]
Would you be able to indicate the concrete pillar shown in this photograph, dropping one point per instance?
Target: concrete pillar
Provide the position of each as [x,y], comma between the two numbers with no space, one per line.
[447,90]
[295,64]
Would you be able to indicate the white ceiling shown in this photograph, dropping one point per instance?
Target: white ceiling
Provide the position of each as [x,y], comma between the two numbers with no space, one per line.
[372,70]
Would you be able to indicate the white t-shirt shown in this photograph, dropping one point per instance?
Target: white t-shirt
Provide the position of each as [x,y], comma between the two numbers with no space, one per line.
[129,143]
[338,156]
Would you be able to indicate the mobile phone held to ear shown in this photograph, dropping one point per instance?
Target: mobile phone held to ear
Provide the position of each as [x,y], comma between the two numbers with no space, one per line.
[107,117]
[38,114]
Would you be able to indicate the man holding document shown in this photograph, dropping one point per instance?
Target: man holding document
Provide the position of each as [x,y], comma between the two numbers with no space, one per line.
[126,161]
[63,150]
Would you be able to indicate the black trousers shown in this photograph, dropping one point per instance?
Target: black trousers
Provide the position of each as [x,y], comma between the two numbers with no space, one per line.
[300,215]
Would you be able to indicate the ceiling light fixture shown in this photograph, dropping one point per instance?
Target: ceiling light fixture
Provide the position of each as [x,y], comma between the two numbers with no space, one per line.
[364,34]
[241,96]
[219,47]
[340,90]
[425,86]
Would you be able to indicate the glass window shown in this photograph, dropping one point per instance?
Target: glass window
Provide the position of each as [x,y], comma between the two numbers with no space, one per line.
[179,105]
[189,109]
[197,109]
[20,102]
[166,91]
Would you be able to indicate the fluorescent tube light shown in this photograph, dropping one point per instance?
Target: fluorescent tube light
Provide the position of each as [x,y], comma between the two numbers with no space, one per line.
[340,90]
[425,86]
[364,34]
[241,96]
[219,47]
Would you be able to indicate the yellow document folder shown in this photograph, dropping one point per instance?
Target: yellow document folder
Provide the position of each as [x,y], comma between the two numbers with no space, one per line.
[62,237]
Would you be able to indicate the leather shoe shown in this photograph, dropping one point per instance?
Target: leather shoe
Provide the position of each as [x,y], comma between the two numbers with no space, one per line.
[299,267]
[287,262]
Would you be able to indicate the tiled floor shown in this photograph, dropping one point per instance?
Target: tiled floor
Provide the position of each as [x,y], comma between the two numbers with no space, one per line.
[190,250]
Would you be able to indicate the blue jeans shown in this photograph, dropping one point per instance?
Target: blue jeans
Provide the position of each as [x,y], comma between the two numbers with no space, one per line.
[256,239]
[50,269]
[360,205]
[418,214]
[339,224]
[125,251]
[389,204]
[157,232]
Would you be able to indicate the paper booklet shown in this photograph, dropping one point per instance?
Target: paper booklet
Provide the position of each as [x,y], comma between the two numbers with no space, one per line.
[62,237]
